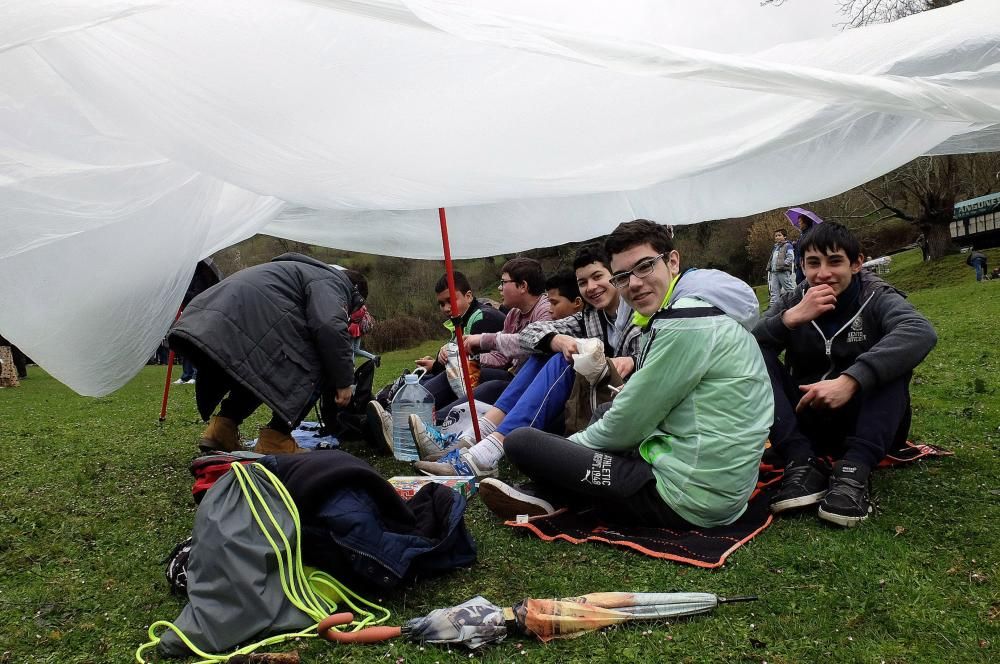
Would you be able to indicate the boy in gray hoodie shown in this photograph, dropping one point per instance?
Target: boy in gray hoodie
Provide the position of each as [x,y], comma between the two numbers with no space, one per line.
[851,342]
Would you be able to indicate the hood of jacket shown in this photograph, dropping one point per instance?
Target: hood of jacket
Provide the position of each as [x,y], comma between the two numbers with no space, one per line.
[733,296]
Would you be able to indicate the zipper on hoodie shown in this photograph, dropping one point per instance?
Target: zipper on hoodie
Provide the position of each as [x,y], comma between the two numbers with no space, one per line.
[828,343]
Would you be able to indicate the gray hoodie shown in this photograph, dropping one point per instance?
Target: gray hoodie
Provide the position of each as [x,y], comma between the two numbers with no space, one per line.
[721,290]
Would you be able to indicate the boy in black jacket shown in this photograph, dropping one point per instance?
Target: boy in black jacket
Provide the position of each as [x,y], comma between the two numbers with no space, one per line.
[851,342]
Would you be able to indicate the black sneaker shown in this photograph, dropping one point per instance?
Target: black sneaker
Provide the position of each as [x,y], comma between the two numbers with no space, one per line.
[803,484]
[847,503]
[508,502]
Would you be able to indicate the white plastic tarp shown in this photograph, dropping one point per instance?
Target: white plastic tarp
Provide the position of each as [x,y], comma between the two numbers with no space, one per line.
[137,137]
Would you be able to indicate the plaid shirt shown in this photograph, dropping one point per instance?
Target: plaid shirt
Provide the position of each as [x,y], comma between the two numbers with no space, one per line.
[589,323]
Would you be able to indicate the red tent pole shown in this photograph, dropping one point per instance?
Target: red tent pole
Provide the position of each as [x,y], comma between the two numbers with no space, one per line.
[457,320]
[166,385]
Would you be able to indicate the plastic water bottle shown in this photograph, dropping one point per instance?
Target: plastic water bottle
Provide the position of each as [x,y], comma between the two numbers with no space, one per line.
[412,399]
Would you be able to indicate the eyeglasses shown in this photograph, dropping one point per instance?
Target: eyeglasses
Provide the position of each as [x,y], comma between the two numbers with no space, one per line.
[643,268]
[506,281]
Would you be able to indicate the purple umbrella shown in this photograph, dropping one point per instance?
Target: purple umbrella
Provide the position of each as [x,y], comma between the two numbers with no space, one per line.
[795,215]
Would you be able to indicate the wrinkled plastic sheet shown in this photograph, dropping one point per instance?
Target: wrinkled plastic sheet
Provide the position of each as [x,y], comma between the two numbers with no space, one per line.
[138,136]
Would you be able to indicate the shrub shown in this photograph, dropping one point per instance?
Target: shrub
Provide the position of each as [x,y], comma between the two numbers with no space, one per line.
[400,331]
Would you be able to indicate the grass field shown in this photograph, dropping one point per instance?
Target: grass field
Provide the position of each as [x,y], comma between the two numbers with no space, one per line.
[95,493]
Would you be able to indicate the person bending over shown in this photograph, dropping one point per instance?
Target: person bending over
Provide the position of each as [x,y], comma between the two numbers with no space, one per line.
[681,443]
[275,334]
[851,342]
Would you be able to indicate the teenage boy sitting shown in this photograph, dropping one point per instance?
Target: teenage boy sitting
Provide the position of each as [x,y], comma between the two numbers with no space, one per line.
[696,410]
[522,286]
[540,390]
[476,318]
[851,342]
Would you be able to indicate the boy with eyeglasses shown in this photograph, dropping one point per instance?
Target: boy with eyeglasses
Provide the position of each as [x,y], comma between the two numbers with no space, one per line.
[681,444]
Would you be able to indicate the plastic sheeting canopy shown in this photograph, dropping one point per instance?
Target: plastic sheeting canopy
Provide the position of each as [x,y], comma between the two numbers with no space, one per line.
[138,136]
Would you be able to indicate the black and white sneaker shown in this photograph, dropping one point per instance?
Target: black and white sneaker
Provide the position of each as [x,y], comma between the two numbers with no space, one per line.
[804,484]
[508,502]
[379,423]
[848,502]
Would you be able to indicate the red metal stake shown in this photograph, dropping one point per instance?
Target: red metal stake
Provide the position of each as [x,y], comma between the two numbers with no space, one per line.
[463,356]
[166,385]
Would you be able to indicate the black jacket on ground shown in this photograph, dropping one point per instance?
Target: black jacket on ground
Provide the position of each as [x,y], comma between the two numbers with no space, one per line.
[358,529]
[279,329]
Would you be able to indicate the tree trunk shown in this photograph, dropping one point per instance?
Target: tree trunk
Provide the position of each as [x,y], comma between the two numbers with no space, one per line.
[938,237]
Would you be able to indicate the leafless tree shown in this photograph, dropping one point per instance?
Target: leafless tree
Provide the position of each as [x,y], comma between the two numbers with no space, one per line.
[858,13]
[923,193]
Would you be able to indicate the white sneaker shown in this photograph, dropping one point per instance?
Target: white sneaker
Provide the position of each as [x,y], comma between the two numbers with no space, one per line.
[508,503]
[190,382]
[179,381]
[379,422]
[431,443]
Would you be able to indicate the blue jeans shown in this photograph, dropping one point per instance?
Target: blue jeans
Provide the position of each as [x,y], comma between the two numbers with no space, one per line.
[356,347]
[189,372]
[537,394]
[979,265]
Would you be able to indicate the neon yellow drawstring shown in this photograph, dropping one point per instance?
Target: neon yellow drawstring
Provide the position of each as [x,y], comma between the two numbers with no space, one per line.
[315,593]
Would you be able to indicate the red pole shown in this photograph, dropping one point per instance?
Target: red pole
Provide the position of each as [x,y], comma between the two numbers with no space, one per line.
[458,323]
[166,385]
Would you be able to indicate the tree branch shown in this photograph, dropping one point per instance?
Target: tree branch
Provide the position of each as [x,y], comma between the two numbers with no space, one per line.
[886,206]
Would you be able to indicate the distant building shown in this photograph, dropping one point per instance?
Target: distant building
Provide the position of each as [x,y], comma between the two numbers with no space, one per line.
[977,221]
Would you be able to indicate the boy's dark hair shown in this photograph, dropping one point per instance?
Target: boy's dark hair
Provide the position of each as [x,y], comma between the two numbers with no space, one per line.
[527,270]
[640,231]
[780,230]
[462,285]
[591,253]
[359,281]
[565,283]
[827,238]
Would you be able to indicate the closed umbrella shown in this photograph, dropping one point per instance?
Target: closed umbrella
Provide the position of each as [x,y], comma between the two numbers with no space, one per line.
[478,621]
[573,616]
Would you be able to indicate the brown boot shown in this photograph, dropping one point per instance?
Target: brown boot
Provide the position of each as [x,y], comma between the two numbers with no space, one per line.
[272,441]
[222,433]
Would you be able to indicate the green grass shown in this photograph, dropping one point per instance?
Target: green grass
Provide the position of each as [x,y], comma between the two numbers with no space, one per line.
[96,492]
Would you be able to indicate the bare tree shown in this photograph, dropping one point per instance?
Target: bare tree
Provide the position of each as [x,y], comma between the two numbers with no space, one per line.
[923,193]
[858,13]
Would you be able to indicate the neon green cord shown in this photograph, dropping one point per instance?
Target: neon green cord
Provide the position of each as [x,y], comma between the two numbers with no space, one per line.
[315,593]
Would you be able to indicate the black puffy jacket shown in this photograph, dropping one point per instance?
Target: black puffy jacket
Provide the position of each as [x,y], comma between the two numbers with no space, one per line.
[279,329]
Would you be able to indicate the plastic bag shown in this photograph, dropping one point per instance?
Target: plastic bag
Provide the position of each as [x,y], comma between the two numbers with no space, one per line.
[453,369]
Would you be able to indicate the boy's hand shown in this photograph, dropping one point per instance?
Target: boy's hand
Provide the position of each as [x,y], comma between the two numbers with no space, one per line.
[343,396]
[425,362]
[472,342]
[623,365]
[565,344]
[827,394]
[817,301]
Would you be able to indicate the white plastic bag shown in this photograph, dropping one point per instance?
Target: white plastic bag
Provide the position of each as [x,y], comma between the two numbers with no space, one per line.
[453,369]
[590,362]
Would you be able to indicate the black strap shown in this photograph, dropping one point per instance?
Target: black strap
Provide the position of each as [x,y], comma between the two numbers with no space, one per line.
[690,312]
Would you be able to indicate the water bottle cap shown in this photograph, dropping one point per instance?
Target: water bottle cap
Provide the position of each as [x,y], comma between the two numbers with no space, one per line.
[411,379]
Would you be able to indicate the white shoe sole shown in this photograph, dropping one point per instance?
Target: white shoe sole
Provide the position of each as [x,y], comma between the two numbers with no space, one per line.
[797,503]
[841,520]
[508,503]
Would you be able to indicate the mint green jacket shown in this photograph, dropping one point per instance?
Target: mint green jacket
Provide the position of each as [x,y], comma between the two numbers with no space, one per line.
[698,407]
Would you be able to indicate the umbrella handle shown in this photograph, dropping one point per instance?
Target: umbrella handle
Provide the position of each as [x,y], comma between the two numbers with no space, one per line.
[366,635]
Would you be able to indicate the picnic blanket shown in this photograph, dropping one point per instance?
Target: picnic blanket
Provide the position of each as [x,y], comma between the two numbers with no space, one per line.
[701,547]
